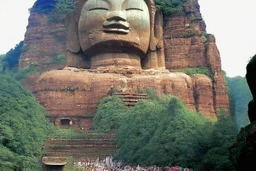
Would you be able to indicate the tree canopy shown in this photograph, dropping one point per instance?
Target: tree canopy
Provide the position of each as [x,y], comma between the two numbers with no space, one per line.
[241,97]
[169,7]
[23,127]
[162,131]
[11,59]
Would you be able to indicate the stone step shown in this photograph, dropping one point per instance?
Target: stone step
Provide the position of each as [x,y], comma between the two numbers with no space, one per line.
[59,147]
[79,141]
[78,153]
[75,156]
[84,144]
[85,137]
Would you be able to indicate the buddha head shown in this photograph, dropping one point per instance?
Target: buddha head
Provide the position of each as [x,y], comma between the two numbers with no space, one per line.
[112,32]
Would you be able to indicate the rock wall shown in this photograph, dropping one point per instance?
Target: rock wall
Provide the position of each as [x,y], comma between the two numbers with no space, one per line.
[44,43]
[186,45]
[69,93]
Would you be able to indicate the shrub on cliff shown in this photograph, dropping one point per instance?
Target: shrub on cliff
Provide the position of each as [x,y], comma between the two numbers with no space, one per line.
[23,127]
[169,7]
[56,8]
[61,8]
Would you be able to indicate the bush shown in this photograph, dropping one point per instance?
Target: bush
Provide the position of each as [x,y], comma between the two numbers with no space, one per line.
[62,7]
[169,7]
[197,70]
[110,113]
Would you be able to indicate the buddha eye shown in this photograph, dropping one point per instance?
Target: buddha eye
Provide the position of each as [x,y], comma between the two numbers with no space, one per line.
[137,9]
[98,8]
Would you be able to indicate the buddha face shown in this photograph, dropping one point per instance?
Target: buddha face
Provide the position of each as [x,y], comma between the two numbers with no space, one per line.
[114,26]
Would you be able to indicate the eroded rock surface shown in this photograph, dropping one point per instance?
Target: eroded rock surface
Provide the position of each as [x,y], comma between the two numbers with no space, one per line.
[109,53]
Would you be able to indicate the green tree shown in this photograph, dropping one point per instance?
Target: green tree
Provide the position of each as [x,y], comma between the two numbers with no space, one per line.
[222,138]
[110,113]
[11,59]
[23,127]
[241,96]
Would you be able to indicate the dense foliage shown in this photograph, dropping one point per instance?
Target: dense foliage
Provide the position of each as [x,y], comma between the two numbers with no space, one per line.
[23,127]
[110,113]
[222,137]
[197,70]
[56,8]
[241,96]
[169,7]
[163,132]
[11,59]
[44,6]
[61,8]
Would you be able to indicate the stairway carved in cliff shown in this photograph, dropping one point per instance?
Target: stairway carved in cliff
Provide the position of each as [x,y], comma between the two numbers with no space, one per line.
[130,99]
[88,144]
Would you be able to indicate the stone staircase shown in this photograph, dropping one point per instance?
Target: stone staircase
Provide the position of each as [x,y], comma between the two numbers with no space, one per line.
[130,99]
[89,144]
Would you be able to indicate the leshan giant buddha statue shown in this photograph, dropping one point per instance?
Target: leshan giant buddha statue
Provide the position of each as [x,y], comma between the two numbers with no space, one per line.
[118,45]
[115,33]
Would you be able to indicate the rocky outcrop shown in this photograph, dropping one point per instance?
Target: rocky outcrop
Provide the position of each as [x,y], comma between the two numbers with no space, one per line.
[68,93]
[187,45]
[44,44]
[74,93]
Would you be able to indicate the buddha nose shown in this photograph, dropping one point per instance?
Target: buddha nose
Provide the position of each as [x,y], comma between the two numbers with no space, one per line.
[116,16]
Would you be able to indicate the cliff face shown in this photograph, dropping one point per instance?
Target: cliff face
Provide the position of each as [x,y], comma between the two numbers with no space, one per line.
[73,93]
[187,45]
[44,44]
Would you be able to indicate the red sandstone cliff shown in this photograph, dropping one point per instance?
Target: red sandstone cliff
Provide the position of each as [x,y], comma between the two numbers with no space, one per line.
[186,44]
[44,42]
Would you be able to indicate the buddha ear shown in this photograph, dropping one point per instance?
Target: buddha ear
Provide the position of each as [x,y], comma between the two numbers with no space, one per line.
[156,30]
[74,55]
[72,41]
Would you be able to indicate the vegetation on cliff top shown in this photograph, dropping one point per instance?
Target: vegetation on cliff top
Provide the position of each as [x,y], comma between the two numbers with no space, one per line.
[44,6]
[61,7]
[56,8]
[169,7]
[162,131]
[23,127]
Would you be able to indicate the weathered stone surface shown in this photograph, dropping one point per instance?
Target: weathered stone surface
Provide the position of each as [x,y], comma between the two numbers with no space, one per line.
[68,93]
[113,51]
[129,34]
[43,42]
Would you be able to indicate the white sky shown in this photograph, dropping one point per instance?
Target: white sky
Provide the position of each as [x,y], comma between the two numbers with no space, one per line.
[233,22]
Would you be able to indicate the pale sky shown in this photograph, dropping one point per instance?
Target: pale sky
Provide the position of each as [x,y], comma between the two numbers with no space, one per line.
[233,22]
